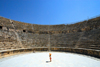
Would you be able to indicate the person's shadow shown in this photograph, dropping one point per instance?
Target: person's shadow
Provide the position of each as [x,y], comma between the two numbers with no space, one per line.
[47,61]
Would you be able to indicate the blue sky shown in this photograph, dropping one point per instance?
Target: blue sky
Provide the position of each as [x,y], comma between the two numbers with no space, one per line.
[49,12]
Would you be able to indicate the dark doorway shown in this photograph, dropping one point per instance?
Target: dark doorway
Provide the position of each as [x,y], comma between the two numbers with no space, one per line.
[0,27]
[24,30]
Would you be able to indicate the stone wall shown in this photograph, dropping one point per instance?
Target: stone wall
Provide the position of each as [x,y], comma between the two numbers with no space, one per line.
[89,52]
[15,35]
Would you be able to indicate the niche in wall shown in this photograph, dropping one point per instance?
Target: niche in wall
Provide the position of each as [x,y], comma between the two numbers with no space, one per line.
[0,27]
[24,30]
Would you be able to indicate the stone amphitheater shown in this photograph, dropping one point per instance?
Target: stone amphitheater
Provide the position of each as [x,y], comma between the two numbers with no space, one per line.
[18,37]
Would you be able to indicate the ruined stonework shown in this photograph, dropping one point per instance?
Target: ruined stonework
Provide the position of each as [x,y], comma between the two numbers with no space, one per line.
[16,35]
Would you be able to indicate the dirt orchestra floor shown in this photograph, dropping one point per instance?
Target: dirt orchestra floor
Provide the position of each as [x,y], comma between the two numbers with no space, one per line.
[41,59]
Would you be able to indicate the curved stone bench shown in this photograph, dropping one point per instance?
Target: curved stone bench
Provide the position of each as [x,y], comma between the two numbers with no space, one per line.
[15,51]
[90,52]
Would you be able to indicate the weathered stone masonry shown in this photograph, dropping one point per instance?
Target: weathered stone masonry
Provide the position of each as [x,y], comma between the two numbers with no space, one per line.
[17,35]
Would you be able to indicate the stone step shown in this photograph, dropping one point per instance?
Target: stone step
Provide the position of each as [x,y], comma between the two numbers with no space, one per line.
[94,48]
[94,45]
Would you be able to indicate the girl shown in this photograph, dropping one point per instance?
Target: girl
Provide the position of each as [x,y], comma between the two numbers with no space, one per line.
[50,56]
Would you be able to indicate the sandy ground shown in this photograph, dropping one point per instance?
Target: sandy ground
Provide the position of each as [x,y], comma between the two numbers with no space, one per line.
[41,59]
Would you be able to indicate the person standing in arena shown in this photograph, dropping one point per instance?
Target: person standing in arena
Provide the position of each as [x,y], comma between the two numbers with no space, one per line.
[50,56]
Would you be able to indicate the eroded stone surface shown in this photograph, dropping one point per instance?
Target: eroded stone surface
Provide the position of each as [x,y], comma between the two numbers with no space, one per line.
[15,35]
